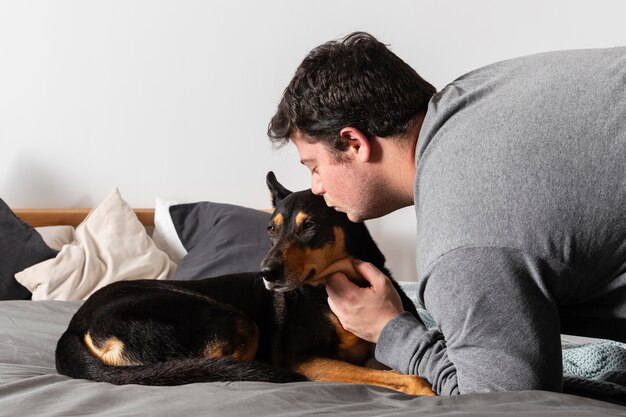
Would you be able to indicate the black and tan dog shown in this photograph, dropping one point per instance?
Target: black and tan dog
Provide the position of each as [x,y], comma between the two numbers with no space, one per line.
[231,328]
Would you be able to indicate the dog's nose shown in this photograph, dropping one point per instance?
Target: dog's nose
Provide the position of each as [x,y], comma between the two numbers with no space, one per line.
[271,269]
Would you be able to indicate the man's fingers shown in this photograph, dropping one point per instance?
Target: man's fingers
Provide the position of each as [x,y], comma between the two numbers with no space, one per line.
[369,272]
[338,284]
[333,306]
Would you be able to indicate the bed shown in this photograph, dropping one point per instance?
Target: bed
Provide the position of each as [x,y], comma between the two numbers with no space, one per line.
[183,241]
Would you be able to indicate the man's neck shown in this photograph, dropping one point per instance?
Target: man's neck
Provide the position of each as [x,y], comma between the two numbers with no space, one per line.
[404,161]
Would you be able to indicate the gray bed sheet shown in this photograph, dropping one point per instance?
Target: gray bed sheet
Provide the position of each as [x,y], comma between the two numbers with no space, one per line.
[30,386]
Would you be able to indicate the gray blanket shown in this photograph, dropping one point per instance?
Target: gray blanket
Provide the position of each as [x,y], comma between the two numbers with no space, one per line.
[30,385]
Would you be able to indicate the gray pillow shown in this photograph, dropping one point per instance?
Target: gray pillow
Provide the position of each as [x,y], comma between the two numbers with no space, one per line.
[219,238]
[20,247]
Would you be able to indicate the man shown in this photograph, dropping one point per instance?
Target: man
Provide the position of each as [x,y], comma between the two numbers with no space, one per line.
[518,176]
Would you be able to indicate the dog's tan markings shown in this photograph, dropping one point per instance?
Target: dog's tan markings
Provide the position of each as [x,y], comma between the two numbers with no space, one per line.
[301,217]
[214,349]
[335,251]
[295,260]
[247,348]
[278,219]
[331,370]
[242,347]
[298,262]
[351,348]
[110,351]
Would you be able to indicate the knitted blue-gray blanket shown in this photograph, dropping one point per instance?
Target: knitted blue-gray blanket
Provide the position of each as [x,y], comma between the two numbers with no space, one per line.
[597,368]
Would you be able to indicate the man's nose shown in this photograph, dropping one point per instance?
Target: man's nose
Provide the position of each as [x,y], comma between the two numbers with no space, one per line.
[316,186]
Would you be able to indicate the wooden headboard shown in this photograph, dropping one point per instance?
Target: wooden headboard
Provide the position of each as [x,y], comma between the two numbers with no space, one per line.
[71,216]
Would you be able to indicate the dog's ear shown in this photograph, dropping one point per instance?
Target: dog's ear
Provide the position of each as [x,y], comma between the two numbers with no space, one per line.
[278,191]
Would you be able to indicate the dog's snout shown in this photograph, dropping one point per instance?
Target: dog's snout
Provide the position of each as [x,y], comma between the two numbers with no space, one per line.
[271,269]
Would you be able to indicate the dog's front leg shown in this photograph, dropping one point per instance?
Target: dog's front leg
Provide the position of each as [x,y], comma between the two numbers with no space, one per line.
[331,370]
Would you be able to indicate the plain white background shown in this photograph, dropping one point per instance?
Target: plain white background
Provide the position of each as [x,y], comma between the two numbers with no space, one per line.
[172,98]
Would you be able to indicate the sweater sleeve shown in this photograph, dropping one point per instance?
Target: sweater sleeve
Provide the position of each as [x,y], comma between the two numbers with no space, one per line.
[498,326]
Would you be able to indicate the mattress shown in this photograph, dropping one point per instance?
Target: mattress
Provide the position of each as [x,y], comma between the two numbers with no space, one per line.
[30,385]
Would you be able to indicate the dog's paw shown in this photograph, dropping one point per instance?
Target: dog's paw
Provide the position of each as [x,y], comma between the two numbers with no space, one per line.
[411,384]
[416,385]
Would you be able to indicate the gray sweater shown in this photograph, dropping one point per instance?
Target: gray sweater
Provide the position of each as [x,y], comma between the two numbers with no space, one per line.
[520,198]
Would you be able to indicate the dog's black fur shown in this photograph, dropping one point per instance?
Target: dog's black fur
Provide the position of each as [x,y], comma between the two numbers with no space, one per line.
[230,328]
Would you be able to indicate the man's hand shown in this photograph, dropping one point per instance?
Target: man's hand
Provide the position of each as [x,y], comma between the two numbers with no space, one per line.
[363,311]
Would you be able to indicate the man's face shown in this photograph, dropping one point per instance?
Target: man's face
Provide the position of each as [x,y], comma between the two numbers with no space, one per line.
[342,184]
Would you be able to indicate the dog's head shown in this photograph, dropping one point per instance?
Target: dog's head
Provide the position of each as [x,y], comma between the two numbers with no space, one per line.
[311,241]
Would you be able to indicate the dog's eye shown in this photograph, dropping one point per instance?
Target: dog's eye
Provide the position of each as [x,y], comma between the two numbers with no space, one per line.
[309,224]
[271,230]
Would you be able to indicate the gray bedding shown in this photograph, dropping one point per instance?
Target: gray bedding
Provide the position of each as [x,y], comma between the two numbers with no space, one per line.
[30,386]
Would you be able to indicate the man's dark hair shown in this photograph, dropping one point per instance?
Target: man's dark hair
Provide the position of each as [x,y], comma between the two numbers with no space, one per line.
[355,82]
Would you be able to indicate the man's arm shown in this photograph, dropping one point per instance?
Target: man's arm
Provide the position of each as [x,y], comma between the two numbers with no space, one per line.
[498,325]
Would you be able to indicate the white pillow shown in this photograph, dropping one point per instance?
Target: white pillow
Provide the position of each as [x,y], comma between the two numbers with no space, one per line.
[111,245]
[56,236]
[164,235]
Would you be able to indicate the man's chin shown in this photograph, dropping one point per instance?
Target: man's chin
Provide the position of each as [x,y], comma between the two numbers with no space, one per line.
[354,218]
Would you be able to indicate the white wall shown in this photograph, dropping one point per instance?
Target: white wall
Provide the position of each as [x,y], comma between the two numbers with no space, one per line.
[172,98]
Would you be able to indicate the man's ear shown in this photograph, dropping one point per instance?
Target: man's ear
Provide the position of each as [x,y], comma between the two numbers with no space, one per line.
[358,144]
[276,189]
